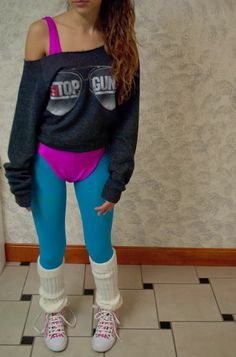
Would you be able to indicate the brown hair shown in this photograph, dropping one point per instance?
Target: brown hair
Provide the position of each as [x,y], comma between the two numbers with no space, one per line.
[116,20]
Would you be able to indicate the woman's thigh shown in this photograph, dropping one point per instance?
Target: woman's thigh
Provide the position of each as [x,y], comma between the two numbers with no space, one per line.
[48,204]
[97,229]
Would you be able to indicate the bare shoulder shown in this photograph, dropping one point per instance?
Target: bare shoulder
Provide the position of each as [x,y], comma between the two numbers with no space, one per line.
[36,40]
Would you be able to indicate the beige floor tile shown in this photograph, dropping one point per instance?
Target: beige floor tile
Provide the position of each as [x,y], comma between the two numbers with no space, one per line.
[139,343]
[15,351]
[225,293]
[74,278]
[33,313]
[83,306]
[13,316]
[138,309]
[32,281]
[13,263]
[216,272]
[12,281]
[80,305]
[186,302]
[129,277]
[169,274]
[77,347]
[211,339]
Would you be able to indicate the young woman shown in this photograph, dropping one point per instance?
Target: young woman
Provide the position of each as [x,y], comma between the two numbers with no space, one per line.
[76,120]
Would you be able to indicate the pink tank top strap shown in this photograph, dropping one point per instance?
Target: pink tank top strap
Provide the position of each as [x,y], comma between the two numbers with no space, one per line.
[54,40]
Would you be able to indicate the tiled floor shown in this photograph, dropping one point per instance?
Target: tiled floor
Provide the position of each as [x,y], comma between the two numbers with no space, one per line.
[168,311]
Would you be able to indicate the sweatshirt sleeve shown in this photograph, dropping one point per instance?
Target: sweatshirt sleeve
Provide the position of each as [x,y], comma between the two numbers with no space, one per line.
[123,145]
[23,137]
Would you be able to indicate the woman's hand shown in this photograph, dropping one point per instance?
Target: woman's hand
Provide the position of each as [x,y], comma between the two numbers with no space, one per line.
[106,206]
[28,208]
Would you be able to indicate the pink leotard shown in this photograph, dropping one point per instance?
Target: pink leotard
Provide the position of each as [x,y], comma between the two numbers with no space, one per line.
[67,165]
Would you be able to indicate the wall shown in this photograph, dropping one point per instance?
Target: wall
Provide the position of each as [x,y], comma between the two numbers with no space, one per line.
[2,241]
[183,190]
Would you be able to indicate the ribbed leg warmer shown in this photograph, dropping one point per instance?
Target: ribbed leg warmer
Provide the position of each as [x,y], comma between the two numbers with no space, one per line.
[51,290]
[107,294]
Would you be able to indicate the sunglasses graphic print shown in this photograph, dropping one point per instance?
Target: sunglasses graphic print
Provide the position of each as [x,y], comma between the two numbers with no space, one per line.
[68,84]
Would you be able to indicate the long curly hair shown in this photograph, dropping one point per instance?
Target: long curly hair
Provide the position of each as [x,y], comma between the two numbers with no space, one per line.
[116,20]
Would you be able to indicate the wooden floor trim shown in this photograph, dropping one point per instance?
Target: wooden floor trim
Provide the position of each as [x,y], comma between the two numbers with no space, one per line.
[133,255]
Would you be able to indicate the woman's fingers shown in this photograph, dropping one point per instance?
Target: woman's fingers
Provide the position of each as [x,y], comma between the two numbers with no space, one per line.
[106,206]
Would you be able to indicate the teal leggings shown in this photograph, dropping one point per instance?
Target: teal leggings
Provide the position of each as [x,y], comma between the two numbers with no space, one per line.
[48,204]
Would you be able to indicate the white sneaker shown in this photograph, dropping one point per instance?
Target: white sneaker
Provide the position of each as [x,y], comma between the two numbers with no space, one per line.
[53,331]
[106,329]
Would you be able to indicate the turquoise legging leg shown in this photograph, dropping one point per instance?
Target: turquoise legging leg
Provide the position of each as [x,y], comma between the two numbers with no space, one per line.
[48,203]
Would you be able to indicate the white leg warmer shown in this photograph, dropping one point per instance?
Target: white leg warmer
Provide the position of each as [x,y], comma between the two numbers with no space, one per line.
[107,294]
[51,290]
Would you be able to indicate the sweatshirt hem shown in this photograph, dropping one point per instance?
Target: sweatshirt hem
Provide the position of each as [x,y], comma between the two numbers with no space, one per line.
[77,148]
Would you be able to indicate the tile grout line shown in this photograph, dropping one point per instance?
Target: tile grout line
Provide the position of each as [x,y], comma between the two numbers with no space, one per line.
[27,315]
[215,299]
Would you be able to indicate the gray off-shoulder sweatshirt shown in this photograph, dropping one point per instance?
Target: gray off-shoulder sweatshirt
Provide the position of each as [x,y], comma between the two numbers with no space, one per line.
[68,101]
